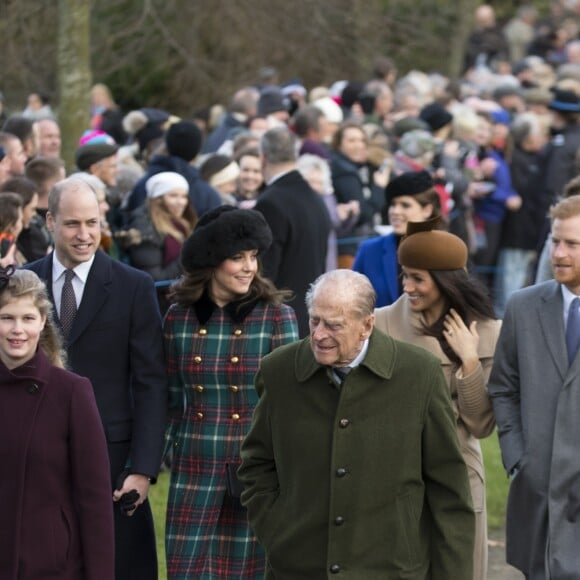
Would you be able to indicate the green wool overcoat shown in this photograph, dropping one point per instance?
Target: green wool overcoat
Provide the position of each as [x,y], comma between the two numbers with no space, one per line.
[363,481]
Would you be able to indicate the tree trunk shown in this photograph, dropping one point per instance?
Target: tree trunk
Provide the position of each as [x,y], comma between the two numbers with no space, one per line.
[74,73]
[465,12]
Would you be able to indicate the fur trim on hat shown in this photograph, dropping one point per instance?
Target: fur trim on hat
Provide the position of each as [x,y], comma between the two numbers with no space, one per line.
[223,232]
[134,121]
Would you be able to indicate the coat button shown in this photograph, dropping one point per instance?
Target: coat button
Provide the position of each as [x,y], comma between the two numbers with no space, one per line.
[236,417]
[199,388]
[199,416]
[197,360]
[235,359]
[344,423]
[238,332]
[340,472]
[203,331]
[33,389]
[338,520]
[234,388]
[334,569]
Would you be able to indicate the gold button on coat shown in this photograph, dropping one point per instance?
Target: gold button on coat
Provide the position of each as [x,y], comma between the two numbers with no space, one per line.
[199,388]
[200,416]
[237,332]
[234,388]
[235,359]
[197,360]
[235,417]
[203,331]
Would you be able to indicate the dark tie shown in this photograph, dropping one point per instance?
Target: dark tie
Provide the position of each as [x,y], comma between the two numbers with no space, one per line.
[341,373]
[68,303]
[573,330]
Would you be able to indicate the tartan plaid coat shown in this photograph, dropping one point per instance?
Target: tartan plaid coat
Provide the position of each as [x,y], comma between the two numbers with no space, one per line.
[212,355]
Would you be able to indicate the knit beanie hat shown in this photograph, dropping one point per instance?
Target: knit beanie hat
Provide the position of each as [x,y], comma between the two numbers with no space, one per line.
[184,139]
[427,248]
[435,115]
[164,182]
[223,232]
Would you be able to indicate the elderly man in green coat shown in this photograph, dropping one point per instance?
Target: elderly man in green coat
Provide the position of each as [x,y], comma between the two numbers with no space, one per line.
[352,467]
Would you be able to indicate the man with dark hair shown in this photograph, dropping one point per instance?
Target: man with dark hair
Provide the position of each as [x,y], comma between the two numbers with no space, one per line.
[111,324]
[15,153]
[183,141]
[309,124]
[45,172]
[298,219]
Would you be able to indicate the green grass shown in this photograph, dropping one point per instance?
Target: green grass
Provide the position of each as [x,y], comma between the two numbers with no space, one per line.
[497,486]
[497,482]
[158,499]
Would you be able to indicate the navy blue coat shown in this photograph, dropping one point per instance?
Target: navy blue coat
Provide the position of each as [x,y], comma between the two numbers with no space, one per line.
[377,260]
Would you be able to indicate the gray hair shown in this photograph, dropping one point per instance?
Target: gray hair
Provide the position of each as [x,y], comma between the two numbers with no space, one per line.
[71,183]
[309,162]
[278,145]
[352,288]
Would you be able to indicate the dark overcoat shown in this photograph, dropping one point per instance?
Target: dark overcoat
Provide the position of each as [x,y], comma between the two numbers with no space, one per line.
[116,341]
[300,226]
[56,519]
[367,479]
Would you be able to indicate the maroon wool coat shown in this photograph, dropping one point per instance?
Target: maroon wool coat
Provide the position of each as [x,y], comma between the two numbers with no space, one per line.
[56,515]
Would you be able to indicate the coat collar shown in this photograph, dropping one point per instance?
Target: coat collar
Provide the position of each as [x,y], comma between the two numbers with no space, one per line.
[36,370]
[380,359]
[238,310]
[96,291]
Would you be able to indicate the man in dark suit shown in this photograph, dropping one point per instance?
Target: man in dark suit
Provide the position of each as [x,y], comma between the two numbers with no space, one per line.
[535,390]
[116,341]
[298,218]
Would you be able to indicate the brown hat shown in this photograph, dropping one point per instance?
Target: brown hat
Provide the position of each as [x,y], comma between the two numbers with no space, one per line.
[427,248]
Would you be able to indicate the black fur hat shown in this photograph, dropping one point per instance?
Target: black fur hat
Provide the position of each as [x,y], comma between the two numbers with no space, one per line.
[408,183]
[223,232]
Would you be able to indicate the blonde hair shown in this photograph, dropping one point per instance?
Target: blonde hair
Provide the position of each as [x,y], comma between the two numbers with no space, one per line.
[23,284]
[164,222]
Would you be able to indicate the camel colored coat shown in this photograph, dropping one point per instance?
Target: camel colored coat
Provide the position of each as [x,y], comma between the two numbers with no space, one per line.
[471,403]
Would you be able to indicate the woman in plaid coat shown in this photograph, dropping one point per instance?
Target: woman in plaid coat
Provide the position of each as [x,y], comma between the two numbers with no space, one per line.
[226,317]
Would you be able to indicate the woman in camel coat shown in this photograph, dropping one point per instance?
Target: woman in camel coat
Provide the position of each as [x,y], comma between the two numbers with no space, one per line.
[449,314]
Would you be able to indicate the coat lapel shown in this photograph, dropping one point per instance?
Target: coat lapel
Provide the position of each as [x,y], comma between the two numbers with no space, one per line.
[96,293]
[552,327]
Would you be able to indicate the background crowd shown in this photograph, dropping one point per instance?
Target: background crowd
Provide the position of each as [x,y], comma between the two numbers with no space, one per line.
[336,173]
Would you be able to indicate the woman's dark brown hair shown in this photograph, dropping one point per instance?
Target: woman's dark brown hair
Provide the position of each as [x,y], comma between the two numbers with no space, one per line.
[467,296]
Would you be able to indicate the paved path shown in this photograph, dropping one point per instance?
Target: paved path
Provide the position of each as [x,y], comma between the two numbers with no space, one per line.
[498,569]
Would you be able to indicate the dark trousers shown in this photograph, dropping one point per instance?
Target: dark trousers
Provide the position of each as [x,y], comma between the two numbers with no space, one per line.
[135,547]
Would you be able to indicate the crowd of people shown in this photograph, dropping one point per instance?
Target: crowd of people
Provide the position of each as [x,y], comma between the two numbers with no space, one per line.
[251,293]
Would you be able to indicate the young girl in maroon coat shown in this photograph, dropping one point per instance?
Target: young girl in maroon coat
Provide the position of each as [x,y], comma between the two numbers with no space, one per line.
[55,493]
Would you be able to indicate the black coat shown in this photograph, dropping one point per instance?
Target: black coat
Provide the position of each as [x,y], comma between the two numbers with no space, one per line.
[300,225]
[521,229]
[116,341]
